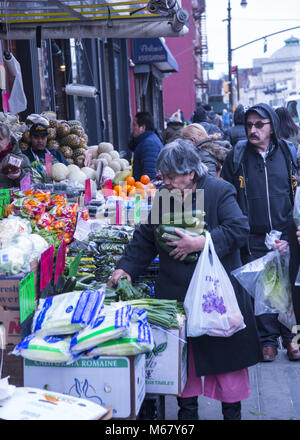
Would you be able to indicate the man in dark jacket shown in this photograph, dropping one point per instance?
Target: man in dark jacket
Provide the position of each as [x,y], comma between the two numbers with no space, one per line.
[148,145]
[262,169]
[237,132]
[174,128]
[38,146]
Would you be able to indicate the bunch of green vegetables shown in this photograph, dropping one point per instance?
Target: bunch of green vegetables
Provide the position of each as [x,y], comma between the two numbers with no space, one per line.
[190,223]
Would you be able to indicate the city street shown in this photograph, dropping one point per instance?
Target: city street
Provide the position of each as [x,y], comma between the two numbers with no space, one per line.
[275,394]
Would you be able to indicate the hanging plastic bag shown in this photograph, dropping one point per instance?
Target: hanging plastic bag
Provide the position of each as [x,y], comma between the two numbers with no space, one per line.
[267,281]
[210,303]
[288,319]
[296,215]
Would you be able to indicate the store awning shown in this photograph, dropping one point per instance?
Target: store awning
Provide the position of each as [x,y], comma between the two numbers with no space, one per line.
[56,19]
[154,51]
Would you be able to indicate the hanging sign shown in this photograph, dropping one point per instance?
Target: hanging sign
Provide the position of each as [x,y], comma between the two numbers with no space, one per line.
[26,296]
[74,265]
[88,192]
[47,258]
[25,183]
[60,261]
[48,159]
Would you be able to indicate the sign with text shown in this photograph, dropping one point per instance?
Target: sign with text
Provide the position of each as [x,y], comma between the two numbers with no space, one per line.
[4,200]
[47,258]
[60,261]
[74,265]
[88,192]
[48,159]
[25,183]
[26,296]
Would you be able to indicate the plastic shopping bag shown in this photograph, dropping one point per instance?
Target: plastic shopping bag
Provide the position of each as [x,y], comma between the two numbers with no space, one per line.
[296,215]
[210,303]
[288,319]
[267,281]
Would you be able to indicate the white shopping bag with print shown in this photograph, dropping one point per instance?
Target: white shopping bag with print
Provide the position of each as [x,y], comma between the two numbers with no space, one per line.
[210,303]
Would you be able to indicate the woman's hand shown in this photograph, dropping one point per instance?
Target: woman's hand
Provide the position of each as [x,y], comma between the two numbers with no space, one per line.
[15,175]
[118,273]
[298,234]
[185,245]
[281,246]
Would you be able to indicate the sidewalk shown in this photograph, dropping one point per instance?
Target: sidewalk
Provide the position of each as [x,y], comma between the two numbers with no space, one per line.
[275,394]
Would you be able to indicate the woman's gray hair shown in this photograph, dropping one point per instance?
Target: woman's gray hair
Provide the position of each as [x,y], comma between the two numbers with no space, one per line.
[180,157]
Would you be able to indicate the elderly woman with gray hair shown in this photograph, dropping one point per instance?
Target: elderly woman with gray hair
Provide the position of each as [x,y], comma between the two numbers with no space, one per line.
[222,361]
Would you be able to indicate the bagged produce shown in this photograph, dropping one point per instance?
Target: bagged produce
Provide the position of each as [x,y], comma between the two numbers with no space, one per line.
[138,340]
[67,313]
[48,349]
[13,260]
[210,303]
[13,225]
[267,281]
[112,323]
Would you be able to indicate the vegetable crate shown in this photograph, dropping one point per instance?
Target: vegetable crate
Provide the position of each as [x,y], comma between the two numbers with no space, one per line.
[116,381]
[169,349]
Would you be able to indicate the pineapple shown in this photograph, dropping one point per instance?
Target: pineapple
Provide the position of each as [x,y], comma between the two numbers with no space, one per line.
[63,129]
[74,122]
[53,123]
[51,133]
[66,151]
[77,129]
[53,144]
[78,152]
[79,160]
[26,137]
[72,140]
[69,160]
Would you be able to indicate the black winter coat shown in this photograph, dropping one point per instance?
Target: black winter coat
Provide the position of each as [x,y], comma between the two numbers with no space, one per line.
[229,229]
[236,134]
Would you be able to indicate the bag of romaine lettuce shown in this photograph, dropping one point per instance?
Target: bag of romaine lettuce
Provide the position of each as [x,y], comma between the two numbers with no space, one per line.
[112,323]
[67,313]
[48,349]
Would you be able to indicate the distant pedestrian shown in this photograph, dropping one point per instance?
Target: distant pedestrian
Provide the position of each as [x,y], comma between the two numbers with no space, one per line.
[288,130]
[237,132]
[174,128]
[225,119]
[200,117]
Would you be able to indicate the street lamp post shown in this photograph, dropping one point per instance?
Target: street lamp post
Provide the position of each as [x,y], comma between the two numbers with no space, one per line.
[243,4]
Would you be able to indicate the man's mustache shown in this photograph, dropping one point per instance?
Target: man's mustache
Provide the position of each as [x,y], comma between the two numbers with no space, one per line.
[253,136]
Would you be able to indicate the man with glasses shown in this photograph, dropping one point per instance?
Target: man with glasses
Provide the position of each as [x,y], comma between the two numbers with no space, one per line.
[262,169]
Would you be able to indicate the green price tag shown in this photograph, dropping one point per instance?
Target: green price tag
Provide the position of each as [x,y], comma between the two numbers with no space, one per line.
[74,265]
[26,296]
[4,200]
[137,209]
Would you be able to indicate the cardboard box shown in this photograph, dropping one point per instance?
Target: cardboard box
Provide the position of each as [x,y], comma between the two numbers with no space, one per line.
[166,365]
[13,366]
[9,287]
[10,319]
[117,381]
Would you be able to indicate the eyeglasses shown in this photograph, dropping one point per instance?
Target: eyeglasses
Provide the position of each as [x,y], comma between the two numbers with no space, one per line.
[257,124]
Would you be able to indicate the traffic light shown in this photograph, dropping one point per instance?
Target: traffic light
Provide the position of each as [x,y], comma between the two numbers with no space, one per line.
[226,87]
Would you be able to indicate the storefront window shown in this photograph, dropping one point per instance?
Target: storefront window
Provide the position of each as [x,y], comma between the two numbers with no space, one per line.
[79,76]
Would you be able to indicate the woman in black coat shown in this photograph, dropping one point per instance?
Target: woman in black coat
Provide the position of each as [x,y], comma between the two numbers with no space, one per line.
[237,132]
[214,357]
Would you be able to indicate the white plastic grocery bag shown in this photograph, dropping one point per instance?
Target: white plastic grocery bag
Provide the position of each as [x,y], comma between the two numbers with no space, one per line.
[210,303]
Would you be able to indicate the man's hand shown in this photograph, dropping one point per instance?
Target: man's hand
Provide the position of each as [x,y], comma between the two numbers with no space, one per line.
[15,175]
[185,245]
[118,273]
[281,246]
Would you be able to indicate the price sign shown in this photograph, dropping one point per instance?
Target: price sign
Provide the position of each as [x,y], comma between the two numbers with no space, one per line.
[137,209]
[27,296]
[25,183]
[74,265]
[108,188]
[4,200]
[60,261]
[47,258]
[88,192]
[48,159]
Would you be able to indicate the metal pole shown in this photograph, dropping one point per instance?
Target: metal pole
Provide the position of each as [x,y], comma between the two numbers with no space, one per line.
[229,55]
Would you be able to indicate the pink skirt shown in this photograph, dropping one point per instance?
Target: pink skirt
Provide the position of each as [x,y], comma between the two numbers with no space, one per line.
[226,387]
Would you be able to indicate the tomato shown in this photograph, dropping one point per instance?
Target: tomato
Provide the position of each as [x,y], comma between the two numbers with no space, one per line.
[145,179]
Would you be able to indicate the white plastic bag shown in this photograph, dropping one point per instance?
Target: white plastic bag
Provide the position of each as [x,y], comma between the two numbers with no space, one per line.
[210,303]
[288,319]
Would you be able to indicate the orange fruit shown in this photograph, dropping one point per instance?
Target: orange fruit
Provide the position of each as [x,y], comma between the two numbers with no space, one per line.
[132,191]
[139,184]
[130,180]
[117,189]
[145,179]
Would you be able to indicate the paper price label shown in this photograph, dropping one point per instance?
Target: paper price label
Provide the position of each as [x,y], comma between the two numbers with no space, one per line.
[4,200]
[74,265]
[47,258]
[48,160]
[25,183]
[137,209]
[26,296]
[60,261]
[88,192]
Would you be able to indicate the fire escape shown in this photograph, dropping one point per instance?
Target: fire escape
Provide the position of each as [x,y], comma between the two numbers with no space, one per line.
[200,50]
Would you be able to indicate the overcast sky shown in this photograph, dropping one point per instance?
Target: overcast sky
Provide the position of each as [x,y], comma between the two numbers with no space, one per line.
[259,18]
